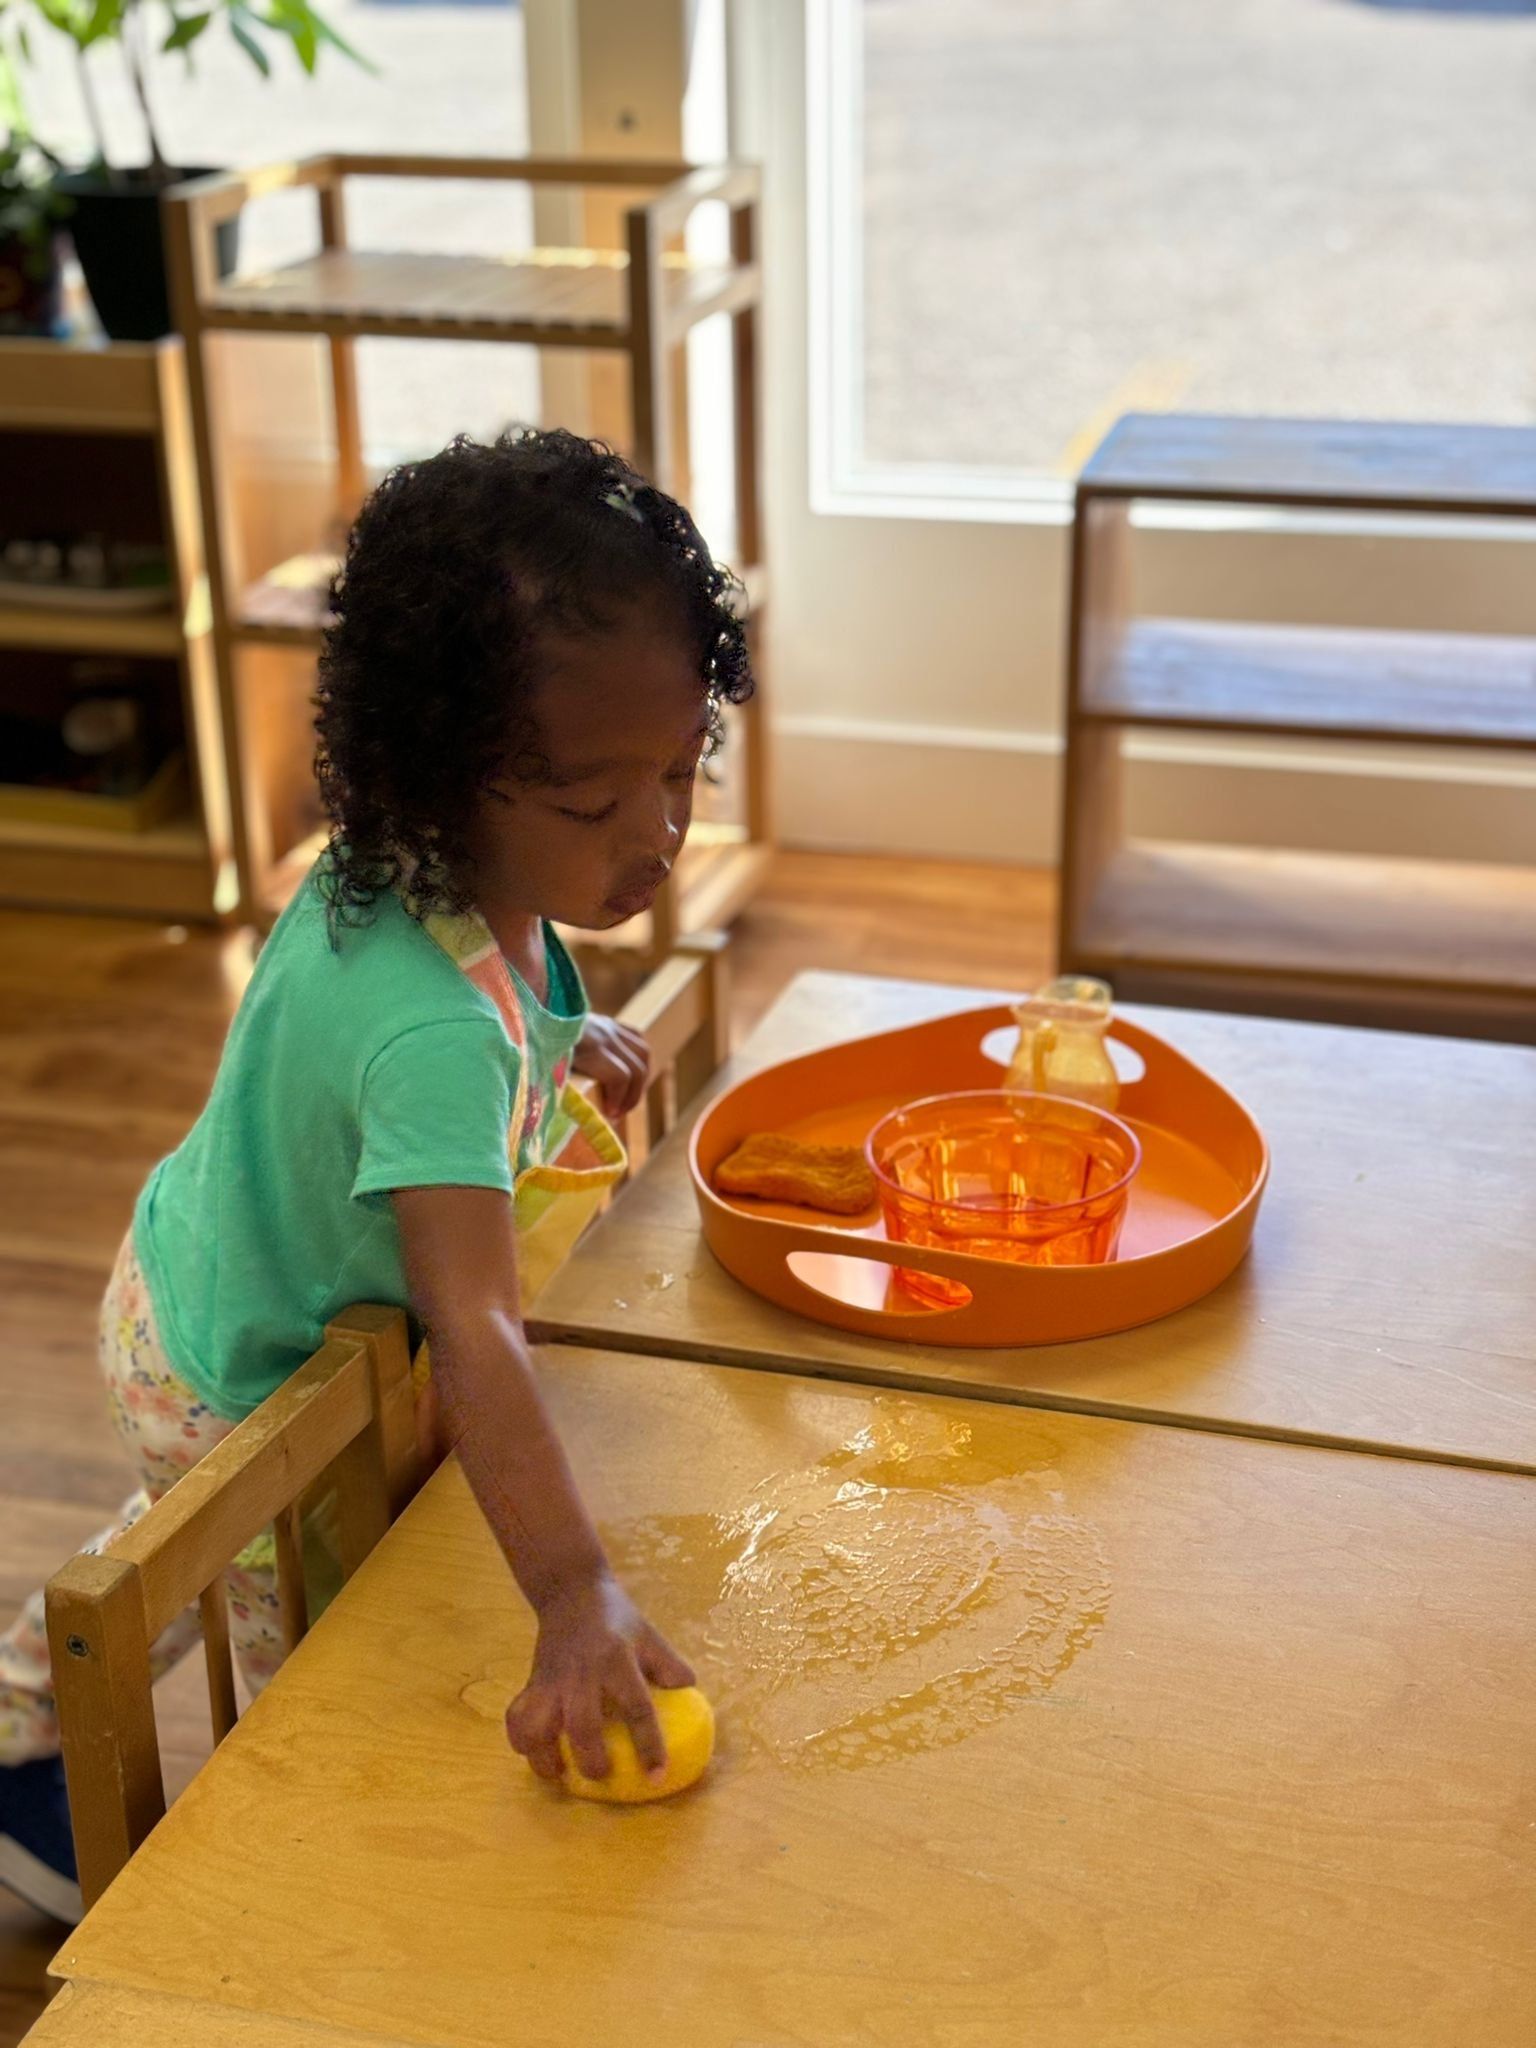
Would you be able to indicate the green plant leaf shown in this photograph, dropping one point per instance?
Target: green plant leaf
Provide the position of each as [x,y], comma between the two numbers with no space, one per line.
[104,19]
[248,42]
[308,31]
[290,18]
[186,31]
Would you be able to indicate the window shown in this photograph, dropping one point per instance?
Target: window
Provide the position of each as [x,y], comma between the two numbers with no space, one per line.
[1031,216]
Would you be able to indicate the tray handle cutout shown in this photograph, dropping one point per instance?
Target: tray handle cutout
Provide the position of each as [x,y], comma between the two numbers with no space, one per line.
[861,1276]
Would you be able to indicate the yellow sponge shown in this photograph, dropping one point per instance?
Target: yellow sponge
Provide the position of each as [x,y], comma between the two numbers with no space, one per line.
[688,1729]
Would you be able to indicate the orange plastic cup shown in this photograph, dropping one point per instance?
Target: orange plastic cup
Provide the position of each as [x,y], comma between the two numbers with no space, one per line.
[1036,1179]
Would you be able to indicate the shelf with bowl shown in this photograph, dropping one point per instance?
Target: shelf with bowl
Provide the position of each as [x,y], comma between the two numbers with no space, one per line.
[92,434]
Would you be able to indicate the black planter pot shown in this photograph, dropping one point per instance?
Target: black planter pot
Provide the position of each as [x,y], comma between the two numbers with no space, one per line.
[117,236]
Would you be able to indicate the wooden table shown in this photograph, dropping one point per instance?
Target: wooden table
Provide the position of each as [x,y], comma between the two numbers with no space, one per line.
[1033,1724]
[1389,1301]
[107,2016]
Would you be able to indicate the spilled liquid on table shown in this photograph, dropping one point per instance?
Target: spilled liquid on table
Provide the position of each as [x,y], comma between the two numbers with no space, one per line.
[895,1596]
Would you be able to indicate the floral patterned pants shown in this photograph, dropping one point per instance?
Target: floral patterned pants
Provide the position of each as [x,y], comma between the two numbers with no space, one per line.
[165,1429]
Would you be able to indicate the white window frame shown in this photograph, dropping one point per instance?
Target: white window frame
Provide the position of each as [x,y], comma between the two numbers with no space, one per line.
[842,479]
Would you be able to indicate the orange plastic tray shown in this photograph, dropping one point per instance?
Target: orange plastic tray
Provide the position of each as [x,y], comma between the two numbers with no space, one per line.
[1188,1224]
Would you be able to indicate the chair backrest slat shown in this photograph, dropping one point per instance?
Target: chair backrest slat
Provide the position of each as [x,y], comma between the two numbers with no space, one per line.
[226,1500]
[293,1603]
[223,1710]
[341,1425]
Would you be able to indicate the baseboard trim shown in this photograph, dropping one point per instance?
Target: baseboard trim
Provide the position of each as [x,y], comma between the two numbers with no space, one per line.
[962,793]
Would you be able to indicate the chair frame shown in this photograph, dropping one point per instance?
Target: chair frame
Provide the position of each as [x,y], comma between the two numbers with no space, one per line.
[343,1424]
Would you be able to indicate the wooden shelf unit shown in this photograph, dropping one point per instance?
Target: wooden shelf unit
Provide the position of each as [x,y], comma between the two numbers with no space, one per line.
[157,634]
[1419,945]
[179,869]
[640,302]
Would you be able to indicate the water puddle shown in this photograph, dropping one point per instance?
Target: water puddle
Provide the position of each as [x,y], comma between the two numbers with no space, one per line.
[895,1596]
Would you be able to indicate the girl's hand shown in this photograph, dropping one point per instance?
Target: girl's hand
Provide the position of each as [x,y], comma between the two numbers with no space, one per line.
[618,1059]
[595,1659]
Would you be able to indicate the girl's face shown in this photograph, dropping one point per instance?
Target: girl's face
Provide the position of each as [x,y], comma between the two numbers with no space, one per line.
[622,719]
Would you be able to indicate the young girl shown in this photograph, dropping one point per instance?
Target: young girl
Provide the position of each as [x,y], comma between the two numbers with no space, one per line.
[529,653]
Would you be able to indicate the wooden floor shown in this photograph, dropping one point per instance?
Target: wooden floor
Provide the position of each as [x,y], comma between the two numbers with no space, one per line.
[109,1035]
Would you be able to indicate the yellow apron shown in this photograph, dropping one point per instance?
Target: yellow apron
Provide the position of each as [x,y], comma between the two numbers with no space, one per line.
[553,1200]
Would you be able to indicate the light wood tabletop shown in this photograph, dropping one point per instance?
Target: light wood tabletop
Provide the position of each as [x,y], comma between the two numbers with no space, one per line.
[1149,1735]
[1388,1303]
[109,2016]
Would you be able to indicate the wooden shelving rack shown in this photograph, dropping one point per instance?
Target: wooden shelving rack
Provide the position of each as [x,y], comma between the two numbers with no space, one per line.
[1413,944]
[1418,945]
[179,869]
[639,302]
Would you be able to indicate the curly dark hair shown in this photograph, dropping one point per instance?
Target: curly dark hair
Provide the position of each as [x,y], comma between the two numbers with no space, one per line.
[456,567]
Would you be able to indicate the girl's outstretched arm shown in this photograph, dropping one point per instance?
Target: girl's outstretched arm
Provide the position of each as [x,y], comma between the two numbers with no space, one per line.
[595,1650]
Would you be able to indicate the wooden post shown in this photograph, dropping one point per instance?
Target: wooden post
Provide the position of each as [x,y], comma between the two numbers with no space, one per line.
[650,384]
[710,1046]
[1094,775]
[176,457]
[190,267]
[99,1648]
[351,476]
[385,1335]
[744,332]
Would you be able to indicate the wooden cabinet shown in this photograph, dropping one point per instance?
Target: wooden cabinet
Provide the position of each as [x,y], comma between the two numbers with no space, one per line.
[97,439]
[1418,944]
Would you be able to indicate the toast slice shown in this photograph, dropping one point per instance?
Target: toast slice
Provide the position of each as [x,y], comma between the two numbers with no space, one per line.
[836,1178]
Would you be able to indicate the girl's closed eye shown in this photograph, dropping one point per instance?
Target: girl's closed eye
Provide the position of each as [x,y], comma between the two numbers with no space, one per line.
[681,776]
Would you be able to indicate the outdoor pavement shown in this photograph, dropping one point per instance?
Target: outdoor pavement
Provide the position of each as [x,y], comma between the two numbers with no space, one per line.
[1072,207]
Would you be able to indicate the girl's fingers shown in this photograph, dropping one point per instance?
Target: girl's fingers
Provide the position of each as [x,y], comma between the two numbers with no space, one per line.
[584,1732]
[660,1662]
[634,1090]
[634,1706]
[533,1729]
[625,1086]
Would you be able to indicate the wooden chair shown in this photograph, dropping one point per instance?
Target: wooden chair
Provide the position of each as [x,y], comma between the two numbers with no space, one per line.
[343,1425]
[683,1011]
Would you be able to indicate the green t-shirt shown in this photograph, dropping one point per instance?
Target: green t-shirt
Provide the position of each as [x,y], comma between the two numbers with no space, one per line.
[347,1072]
